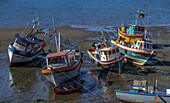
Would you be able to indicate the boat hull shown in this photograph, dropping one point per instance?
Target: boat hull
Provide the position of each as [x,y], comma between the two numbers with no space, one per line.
[16,56]
[140,97]
[63,76]
[139,57]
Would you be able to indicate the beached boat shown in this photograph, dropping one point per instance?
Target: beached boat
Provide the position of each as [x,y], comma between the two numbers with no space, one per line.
[133,32]
[106,56]
[68,88]
[139,52]
[62,66]
[25,48]
[140,93]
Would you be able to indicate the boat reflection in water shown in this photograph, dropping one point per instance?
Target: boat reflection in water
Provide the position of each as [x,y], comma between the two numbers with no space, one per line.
[26,83]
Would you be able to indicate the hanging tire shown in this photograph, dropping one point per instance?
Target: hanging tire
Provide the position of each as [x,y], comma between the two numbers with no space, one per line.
[98,64]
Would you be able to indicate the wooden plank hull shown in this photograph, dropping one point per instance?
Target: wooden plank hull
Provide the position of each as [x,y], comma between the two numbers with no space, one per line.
[140,97]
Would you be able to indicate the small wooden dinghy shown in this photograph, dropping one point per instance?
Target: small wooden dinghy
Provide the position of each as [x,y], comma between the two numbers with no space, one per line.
[68,87]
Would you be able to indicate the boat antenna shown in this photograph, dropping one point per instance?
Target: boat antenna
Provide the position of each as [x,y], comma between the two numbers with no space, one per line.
[55,35]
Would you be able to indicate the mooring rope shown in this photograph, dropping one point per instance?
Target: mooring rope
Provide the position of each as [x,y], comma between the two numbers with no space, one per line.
[25,28]
[83,86]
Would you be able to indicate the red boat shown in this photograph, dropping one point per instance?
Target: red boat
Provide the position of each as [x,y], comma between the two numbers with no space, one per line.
[68,88]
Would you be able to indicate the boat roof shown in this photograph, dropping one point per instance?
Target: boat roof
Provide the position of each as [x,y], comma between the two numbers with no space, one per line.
[23,38]
[107,49]
[57,54]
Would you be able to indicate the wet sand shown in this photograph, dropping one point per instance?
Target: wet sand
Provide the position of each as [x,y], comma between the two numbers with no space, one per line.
[30,85]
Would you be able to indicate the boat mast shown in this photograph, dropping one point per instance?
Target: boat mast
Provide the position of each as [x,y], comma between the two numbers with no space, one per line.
[34,25]
[55,35]
[136,21]
[59,42]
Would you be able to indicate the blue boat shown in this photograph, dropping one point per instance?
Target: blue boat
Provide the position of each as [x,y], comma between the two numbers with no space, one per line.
[140,93]
[139,52]
[25,48]
[108,57]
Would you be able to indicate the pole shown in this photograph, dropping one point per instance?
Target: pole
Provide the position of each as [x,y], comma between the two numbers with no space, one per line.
[59,42]
[55,35]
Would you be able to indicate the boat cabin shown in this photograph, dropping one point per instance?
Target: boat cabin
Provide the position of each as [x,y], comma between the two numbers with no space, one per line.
[138,45]
[108,53]
[133,29]
[104,53]
[143,45]
[23,44]
[62,59]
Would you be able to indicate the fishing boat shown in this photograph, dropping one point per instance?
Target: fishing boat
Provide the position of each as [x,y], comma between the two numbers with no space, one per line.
[139,52]
[143,93]
[106,56]
[25,47]
[134,32]
[68,88]
[62,66]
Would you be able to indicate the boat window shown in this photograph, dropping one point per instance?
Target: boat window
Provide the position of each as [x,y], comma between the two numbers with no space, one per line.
[110,52]
[136,28]
[20,43]
[145,46]
[142,28]
[57,60]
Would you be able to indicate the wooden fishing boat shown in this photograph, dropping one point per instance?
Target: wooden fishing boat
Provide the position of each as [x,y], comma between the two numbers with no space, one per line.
[134,32]
[106,56]
[68,88]
[139,52]
[62,66]
[25,48]
[139,93]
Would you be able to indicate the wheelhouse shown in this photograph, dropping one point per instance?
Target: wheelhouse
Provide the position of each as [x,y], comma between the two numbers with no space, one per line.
[25,45]
[143,45]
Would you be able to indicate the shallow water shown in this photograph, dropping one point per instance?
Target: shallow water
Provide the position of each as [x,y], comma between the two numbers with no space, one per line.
[92,14]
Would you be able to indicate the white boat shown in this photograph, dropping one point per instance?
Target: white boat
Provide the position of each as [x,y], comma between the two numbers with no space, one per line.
[62,66]
[139,52]
[106,56]
[25,48]
[141,93]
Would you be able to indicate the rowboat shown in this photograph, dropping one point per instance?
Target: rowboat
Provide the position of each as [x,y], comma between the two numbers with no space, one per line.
[139,52]
[62,66]
[139,93]
[68,88]
[134,32]
[25,48]
[106,56]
